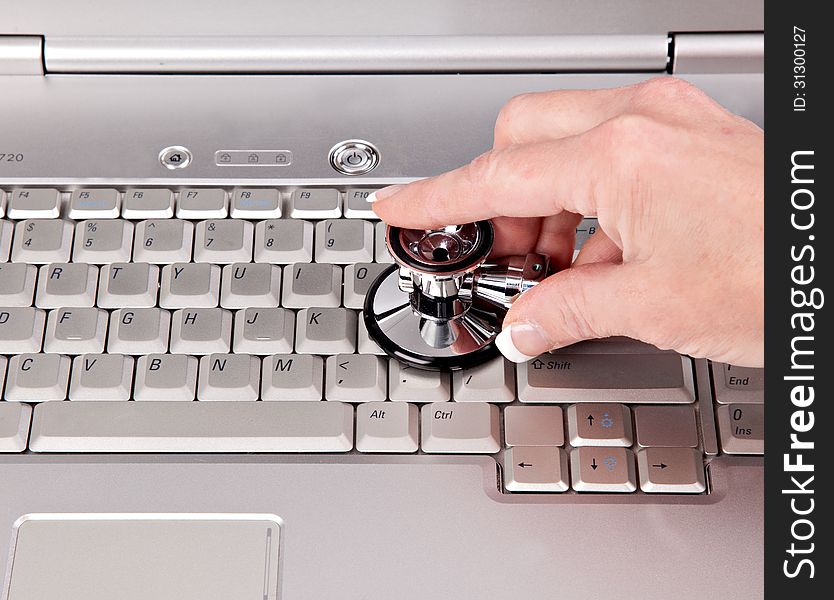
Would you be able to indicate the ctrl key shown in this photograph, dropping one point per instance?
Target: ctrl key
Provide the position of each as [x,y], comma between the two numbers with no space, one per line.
[451,428]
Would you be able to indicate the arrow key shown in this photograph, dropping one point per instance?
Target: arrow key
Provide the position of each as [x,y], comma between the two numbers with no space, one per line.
[535,469]
[591,424]
[602,470]
[671,470]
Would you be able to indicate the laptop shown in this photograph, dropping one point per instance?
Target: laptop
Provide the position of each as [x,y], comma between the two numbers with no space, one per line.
[191,405]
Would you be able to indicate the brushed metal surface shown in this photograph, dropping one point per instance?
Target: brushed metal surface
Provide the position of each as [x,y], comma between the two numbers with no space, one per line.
[718,53]
[21,55]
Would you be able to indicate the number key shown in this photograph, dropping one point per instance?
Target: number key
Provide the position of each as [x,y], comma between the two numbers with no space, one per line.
[42,241]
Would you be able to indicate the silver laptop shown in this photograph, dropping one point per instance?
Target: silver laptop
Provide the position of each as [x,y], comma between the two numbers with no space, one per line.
[190,405]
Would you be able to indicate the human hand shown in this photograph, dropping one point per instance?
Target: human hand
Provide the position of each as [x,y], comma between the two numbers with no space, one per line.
[676,182]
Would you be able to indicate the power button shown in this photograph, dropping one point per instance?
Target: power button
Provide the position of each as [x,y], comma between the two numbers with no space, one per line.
[354,157]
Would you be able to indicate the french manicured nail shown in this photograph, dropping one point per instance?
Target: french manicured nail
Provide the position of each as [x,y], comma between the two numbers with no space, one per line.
[384,193]
[522,341]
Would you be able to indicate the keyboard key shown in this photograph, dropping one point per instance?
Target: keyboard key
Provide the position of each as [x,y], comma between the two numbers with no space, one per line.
[75,331]
[37,377]
[325,331]
[355,378]
[139,331]
[34,203]
[283,242]
[101,242]
[741,428]
[533,426]
[101,377]
[381,254]
[358,278]
[386,427]
[250,285]
[193,427]
[292,377]
[128,285]
[493,381]
[364,344]
[67,284]
[357,206]
[602,470]
[14,426]
[166,377]
[205,203]
[408,384]
[460,428]
[264,331]
[738,385]
[535,469]
[163,241]
[315,204]
[148,203]
[599,425]
[629,378]
[256,203]
[312,285]
[99,203]
[21,329]
[186,285]
[343,241]
[666,426]
[6,230]
[201,331]
[671,471]
[17,284]
[229,377]
[224,241]
[39,241]
[2,204]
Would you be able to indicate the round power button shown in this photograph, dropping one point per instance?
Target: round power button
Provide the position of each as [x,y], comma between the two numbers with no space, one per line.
[354,157]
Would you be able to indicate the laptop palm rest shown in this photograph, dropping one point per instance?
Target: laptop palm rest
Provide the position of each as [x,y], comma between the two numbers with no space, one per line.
[142,557]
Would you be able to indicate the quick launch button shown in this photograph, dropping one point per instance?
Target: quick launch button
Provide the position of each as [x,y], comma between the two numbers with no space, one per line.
[354,157]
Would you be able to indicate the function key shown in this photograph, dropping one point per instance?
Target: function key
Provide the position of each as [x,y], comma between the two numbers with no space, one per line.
[148,203]
[357,205]
[210,203]
[95,204]
[256,203]
[315,204]
[34,203]
[2,204]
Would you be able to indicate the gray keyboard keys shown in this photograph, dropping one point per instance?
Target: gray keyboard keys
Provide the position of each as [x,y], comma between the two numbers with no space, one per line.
[14,426]
[21,329]
[535,469]
[264,331]
[741,428]
[284,241]
[186,285]
[102,242]
[6,230]
[599,425]
[165,377]
[34,203]
[671,471]
[101,377]
[148,203]
[386,427]
[205,203]
[381,254]
[364,344]
[325,331]
[665,426]
[201,331]
[344,241]
[139,331]
[493,381]
[256,203]
[250,285]
[407,384]
[355,378]
[470,428]
[17,284]
[629,378]
[533,426]
[312,285]
[229,377]
[292,377]
[357,206]
[75,331]
[128,285]
[98,203]
[37,377]
[358,278]
[315,204]
[193,427]
[39,241]
[738,385]
[68,284]
[162,241]
[224,241]
[602,470]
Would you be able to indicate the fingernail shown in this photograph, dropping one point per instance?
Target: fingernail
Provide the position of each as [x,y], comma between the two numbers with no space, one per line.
[383,193]
[522,341]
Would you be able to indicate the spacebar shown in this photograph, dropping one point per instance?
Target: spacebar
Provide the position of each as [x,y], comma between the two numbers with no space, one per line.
[73,426]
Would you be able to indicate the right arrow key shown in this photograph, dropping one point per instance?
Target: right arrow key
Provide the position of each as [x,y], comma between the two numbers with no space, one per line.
[671,470]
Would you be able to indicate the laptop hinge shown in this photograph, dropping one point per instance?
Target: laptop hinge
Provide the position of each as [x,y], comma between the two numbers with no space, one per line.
[21,55]
[717,53]
[359,54]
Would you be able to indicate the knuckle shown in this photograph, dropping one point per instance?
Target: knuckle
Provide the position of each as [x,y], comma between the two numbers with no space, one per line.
[627,134]
[510,114]
[670,91]
[482,170]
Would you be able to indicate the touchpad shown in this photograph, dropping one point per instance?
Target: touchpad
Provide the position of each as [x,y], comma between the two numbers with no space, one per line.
[145,557]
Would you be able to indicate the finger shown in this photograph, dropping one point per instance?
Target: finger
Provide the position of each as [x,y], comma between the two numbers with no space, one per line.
[533,180]
[598,248]
[592,301]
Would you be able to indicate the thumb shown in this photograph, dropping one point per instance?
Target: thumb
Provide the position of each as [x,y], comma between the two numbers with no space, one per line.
[590,301]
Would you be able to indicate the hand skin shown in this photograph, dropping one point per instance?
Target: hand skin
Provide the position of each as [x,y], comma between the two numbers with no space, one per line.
[677,184]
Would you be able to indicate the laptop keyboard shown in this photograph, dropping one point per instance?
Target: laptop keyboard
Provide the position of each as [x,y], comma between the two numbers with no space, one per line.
[229,320]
